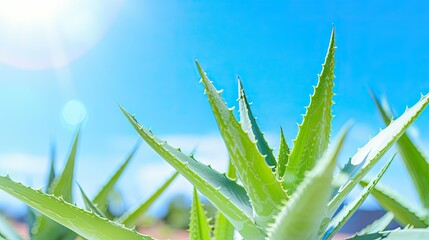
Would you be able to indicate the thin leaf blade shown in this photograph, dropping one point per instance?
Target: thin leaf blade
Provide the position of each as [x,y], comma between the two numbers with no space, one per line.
[102,196]
[199,228]
[132,217]
[90,206]
[223,229]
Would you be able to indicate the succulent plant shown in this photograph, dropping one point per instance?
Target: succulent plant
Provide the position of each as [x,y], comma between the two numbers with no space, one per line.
[292,196]
[296,195]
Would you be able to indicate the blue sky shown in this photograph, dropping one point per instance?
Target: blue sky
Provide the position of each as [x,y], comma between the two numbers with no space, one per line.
[140,54]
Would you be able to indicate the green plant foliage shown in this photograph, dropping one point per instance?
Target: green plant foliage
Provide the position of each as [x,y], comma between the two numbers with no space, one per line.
[313,135]
[346,212]
[418,168]
[54,224]
[225,194]
[84,223]
[302,215]
[131,218]
[378,225]
[101,198]
[416,164]
[283,155]
[262,187]
[90,206]
[293,196]
[257,205]
[62,186]
[199,228]
[223,229]
[248,122]
[369,154]
[405,213]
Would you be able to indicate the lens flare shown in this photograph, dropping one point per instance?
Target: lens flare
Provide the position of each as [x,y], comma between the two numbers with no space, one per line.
[74,112]
[39,34]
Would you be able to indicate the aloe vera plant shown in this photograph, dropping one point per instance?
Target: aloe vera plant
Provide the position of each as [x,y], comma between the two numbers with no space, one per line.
[288,197]
[295,195]
[59,219]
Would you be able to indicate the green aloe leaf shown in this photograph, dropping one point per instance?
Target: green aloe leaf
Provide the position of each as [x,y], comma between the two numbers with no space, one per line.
[223,229]
[52,175]
[262,186]
[90,206]
[45,228]
[101,199]
[132,217]
[225,194]
[248,122]
[313,135]
[7,231]
[347,211]
[63,186]
[302,215]
[415,162]
[378,225]
[415,234]
[283,156]
[199,228]
[86,224]
[375,149]
[405,213]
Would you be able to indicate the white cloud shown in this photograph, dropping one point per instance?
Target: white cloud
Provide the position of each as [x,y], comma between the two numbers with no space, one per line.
[22,163]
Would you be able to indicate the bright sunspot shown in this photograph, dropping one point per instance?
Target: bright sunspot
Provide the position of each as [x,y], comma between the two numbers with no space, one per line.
[74,112]
[51,33]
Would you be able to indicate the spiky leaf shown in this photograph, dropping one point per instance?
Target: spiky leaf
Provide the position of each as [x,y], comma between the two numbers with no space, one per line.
[132,217]
[262,187]
[302,215]
[376,148]
[86,224]
[226,195]
[45,228]
[313,134]
[405,213]
[250,126]
[283,156]
[378,225]
[102,196]
[346,212]
[52,175]
[90,206]
[417,165]
[199,228]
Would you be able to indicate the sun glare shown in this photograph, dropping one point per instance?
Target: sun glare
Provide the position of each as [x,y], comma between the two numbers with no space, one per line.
[51,33]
